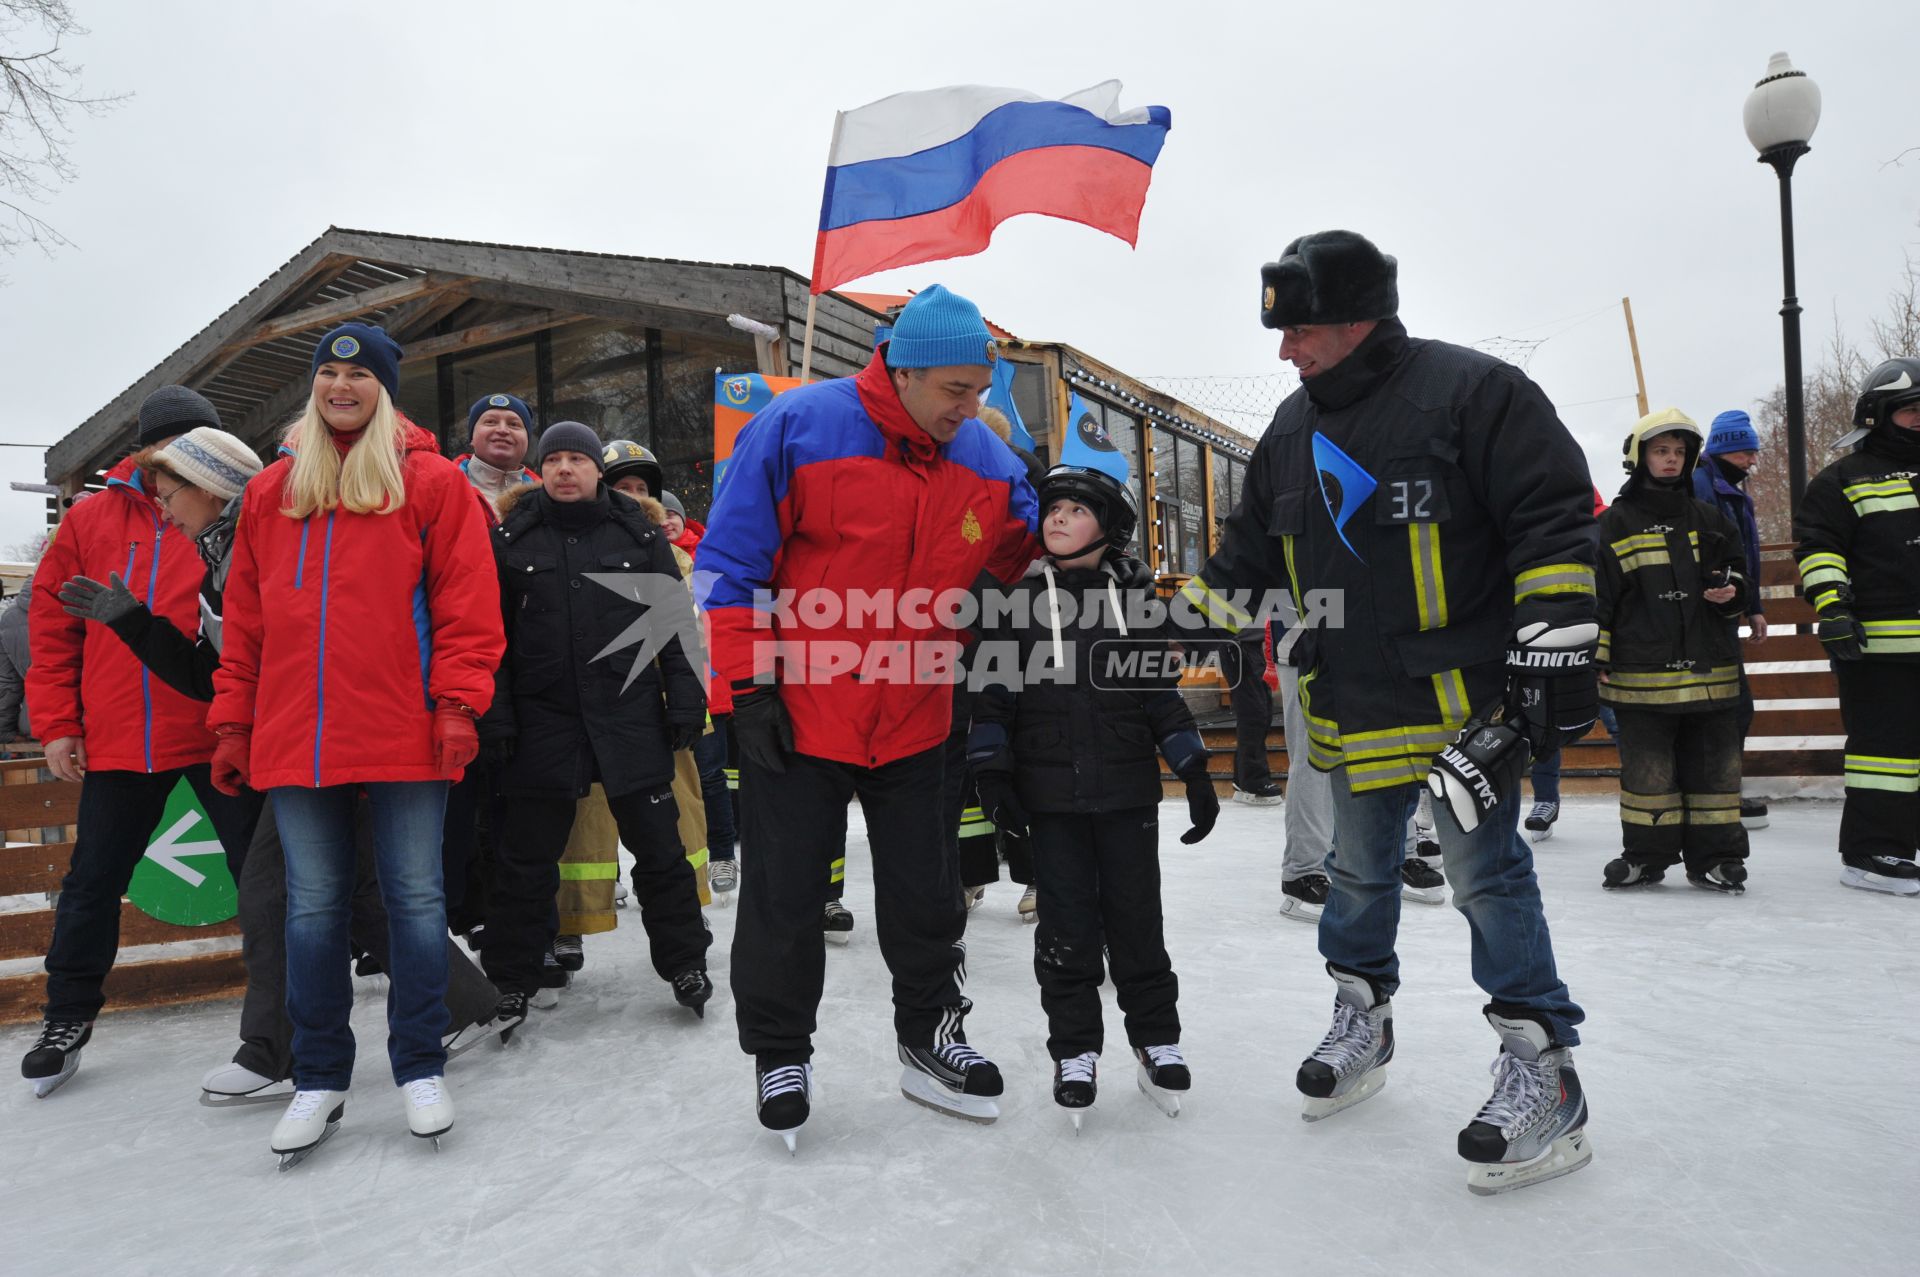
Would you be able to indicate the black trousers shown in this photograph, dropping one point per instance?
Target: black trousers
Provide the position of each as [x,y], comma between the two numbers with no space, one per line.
[1880,704]
[794,825]
[1099,883]
[1680,787]
[521,918]
[475,814]
[118,812]
[1244,665]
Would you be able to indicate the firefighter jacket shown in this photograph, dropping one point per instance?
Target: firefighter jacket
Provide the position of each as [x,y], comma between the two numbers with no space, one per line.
[1432,492]
[1859,542]
[1663,645]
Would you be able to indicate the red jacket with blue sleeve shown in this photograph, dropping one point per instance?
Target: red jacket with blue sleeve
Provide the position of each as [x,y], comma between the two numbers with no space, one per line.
[834,493]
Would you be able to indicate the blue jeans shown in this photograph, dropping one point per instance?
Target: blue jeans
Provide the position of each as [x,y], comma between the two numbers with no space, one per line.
[1491,873]
[710,752]
[316,828]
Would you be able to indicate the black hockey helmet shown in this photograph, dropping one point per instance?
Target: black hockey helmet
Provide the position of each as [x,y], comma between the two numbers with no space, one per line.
[624,457]
[1894,384]
[1110,500]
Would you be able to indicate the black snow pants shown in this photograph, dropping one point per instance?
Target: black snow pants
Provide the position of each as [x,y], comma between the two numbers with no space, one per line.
[793,827]
[1680,787]
[1099,881]
[1880,704]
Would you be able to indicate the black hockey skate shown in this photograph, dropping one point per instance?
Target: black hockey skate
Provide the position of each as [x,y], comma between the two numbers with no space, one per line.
[1621,872]
[1729,876]
[1303,898]
[55,1055]
[1540,820]
[509,1013]
[1533,1127]
[569,952]
[553,979]
[1076,1084]
[1753,813]
[1263,793]
[784,1099]
[691,989]
[952,1078]
[1350,1064]
[1163,1076]
[1421,882]
[836,922]
[1890,874]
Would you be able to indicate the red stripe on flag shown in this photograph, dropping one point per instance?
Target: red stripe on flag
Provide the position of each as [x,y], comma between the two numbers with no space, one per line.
[1087,184]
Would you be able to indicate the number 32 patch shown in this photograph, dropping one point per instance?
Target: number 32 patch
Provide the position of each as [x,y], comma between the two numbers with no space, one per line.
[1410,499]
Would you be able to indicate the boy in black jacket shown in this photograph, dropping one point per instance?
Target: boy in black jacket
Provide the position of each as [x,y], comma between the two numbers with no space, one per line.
[1670,577]
[1075,747]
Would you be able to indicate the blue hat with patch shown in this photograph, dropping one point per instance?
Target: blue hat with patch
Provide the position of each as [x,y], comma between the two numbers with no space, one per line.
[366,345]
[1732,432]
[939,329]
[512,403]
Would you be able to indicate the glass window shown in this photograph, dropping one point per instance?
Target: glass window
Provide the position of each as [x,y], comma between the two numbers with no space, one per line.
[1124,431]
[1030,396]
[600,379]
[1193,505]
[682,435]
[420,401]
[1166,493]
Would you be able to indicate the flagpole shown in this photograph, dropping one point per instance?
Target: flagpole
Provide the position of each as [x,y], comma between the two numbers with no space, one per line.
[813,298]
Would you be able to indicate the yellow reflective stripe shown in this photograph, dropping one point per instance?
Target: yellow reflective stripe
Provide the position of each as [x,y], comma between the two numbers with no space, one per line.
[1647,809]
[1822,574]
[1875,762]
[1605,651]
[1891,636]
[733,777]
[1823,596]
[1450,689]
[1892,775]
[839,873]
[1215,607]
[1678,678]
[1429,591]
[1713,809]
[1642,541]
[1882,496]
[1554,578]
[1824,559]
[1644,559]
[697,858]
[592,871]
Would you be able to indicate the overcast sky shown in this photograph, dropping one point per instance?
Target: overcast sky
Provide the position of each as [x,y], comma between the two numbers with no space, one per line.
[1527,166]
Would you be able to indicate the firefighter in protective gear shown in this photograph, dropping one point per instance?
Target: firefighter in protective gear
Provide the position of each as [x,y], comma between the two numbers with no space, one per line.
[1671,574]
[1434,493]
[1858,535]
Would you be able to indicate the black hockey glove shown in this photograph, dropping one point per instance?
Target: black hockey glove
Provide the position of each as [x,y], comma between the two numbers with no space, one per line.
[1841,637]
[1203,805]
[761,726]
[997,800]
[497,751]
[1477,772]
[1551,684]
[685,735]
[1130,573]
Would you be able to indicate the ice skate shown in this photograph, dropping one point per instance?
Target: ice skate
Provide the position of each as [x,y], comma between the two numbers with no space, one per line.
[1425,844]
[55,1055]
[1421,883]
[953,1079]
[232,1085]
[691,989]
[1540,820]
[1533,1127]
[1029,906]
[620,893]
[1621,873]
[1729,876]
[1263,794]
[784,1099]
[553,978]
[1890,874]
[429,1108]
[1304,898]
[1350,1063]
[974,896]
[836,922]
[723,879]
[1163,1077]
[1075,1085]
[310,1121]
[1753,813]
[509,1013]
[569,952]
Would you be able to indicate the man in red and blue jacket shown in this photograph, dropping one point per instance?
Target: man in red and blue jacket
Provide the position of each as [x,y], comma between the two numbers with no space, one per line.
[848,507]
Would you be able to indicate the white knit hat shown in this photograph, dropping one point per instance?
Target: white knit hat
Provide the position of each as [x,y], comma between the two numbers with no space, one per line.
[212,460]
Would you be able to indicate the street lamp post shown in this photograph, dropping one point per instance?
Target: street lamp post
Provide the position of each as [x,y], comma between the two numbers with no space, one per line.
[1781,114]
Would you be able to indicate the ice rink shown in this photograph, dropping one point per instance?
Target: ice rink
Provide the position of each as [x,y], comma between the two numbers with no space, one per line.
[1749,1062]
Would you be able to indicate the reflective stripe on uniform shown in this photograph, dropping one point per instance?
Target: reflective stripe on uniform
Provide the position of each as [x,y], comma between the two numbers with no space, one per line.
[589,872]
[974,823]
[697,858]
[733,777]
[1822,568]
[1604,652]
[1891,636]
[1648,809]
[839,871]
[1713,809]
[1683,687]
[1882,497]
[1553,578]
[1895,775]
[1215,607]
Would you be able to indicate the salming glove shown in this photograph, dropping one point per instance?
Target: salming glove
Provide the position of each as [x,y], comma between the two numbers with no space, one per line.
[1476,773]
[761,726]
[1551,684]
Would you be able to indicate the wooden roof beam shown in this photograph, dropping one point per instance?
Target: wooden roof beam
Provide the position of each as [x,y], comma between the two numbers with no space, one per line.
[334,312]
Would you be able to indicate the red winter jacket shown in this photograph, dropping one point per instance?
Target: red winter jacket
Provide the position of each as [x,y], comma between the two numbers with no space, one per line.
[84,681]
[833,487]
[342,630]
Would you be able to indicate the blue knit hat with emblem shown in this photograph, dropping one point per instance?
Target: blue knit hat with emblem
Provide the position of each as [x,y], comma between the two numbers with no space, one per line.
[939,329]
[512,403]
[366,345]
[1732,432]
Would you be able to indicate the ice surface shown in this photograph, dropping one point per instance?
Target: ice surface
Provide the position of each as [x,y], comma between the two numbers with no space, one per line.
[1749,1061]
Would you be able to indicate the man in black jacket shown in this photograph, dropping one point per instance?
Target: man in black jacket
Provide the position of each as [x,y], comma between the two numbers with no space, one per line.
[595,686]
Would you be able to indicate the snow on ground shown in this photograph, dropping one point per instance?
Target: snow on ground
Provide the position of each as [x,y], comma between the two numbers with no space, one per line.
[1743,1058]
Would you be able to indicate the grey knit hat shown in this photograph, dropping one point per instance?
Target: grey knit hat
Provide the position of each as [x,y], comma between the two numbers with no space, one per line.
[211,460]
[672,503]
[570,436]
[174,410]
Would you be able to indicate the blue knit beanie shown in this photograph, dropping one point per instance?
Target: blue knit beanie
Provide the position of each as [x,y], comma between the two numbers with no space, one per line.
[939,329]
[366,345]
[512,403]
[1732,432]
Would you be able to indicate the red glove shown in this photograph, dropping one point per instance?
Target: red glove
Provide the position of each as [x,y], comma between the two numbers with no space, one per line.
[456,741]
[231,756]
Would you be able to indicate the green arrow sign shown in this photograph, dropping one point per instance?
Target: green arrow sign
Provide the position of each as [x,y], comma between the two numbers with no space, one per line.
[183,878]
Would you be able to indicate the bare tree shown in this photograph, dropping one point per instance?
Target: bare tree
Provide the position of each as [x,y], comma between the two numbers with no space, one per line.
[39,93]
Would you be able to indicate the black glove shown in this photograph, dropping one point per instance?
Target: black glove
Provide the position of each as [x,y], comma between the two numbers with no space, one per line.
[686,735]
[998,802]
[497,751]
[86,598]
[1203,806]
[1130,573]
[1476,773]
[1550,682]
[761,727]
[1841,637]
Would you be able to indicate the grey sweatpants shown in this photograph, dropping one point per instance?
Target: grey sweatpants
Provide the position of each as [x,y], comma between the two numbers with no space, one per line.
[1309,792]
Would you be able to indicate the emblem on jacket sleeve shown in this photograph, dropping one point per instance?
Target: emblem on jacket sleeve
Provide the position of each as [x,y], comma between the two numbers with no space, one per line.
[970,528]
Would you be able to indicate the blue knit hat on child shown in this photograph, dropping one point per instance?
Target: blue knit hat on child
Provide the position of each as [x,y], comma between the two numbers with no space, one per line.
[366,345]
[939,329]
[1732,432]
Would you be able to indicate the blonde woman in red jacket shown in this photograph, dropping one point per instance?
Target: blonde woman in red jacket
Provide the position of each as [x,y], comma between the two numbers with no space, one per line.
[361,640]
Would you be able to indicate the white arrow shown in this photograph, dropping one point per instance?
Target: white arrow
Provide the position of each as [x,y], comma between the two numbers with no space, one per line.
[168,853]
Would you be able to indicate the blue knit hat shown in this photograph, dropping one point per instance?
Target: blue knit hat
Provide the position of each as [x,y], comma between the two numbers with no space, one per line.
[512,403]
[366,345]
[1732,432]
[939,329]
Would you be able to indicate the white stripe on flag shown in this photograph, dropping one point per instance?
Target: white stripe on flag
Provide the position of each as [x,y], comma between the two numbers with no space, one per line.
[908,123]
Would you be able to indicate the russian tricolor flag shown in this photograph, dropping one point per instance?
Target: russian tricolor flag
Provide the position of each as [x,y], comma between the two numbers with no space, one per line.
[922,176]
